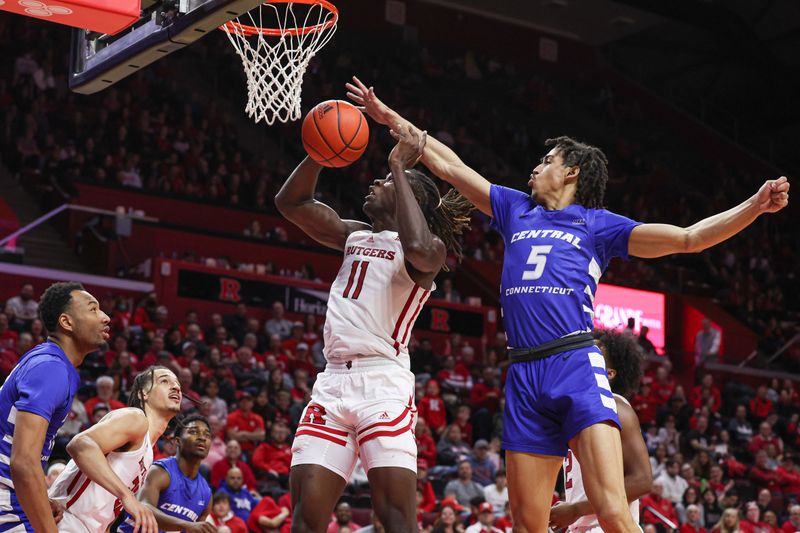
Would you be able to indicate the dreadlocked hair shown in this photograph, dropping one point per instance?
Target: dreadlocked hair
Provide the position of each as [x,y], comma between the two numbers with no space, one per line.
[625,356]
[141,384]
[592,161]
[447,215]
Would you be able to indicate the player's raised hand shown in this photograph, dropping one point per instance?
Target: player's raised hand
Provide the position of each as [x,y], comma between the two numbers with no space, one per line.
[143,517]
[773,195]
[409,148]
[369,103]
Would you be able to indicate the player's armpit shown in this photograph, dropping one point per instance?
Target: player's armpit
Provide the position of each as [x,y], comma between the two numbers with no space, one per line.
[658,240]
[635,459]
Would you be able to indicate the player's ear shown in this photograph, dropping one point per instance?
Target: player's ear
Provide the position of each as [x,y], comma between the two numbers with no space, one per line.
[65,321]
[611,374]
[572,173]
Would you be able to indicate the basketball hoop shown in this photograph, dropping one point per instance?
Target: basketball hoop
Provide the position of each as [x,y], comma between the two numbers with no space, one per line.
[275,48]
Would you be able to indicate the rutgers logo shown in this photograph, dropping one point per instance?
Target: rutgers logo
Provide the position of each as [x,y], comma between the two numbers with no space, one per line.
[36,8]
[439,319]
[229,290]
[315,414]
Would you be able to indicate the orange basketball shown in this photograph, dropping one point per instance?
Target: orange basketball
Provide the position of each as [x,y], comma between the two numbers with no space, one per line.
[335,133]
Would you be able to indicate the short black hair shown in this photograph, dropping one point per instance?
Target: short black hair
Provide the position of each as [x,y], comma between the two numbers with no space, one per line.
[184,422]
[220,496]
[593,163]
[55,301]
[625,355]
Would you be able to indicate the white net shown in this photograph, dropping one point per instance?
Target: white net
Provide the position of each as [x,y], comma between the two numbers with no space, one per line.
[276,42]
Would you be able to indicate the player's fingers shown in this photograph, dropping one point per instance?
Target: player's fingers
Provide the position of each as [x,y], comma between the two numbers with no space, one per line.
[359,83]
[137,522]
[355,97]
[394,135]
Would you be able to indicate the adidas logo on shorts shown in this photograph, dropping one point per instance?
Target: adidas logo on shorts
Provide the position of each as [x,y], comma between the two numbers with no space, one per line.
[384,416]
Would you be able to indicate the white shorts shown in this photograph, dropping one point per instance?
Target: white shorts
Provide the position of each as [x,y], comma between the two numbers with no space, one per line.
[366,410]
[72,524]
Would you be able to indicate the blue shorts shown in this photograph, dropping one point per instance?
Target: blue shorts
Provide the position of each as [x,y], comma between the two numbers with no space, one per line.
[550,400]
[12,517]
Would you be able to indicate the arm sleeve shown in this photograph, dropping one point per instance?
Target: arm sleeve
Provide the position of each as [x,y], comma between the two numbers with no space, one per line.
[43,388]
[611,234]
[503,201]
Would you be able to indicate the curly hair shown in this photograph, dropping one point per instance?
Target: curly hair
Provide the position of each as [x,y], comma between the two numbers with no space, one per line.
[183,423]
[624,355]
[142,383]
[55,301]
[448,216]
[593,163]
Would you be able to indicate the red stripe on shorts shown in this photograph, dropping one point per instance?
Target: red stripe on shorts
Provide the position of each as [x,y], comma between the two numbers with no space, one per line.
[394,433]
[322,428]
[78,494]
[392,423]
[320,436]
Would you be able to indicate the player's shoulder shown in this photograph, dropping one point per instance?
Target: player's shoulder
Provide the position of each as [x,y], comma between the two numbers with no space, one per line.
[47,358]
[513,196]
[627,414]
[129,419]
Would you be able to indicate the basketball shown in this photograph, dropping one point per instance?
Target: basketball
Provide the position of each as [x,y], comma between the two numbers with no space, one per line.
[335,133]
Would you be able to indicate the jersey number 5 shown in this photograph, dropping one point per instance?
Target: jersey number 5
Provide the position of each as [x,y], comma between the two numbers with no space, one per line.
[359,269]
[538,259]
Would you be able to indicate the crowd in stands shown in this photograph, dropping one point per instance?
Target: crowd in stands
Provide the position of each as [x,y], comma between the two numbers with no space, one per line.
[722,460]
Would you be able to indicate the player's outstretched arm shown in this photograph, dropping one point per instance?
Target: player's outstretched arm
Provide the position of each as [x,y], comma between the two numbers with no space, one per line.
[421,248]
[26,470]
[657,240]
[296,202]
[119,428]
[156,482]
[438,157]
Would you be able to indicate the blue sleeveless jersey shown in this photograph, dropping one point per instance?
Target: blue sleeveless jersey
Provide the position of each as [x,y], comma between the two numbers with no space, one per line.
[552,265]
[185,498]
[44,382]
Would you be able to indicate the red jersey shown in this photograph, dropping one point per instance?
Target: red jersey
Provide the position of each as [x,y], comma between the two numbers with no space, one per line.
[268,508]
[220,470]
[112,404]
[233,522]
[275,457]
[645,407]
[760,408]
[479,397]
[432,409]
[245,422]
[426,449]
[662,505]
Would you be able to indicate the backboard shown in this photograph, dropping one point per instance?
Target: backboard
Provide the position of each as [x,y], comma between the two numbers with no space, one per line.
[97,60]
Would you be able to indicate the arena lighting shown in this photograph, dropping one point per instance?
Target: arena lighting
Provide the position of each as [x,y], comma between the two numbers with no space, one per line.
[614,305]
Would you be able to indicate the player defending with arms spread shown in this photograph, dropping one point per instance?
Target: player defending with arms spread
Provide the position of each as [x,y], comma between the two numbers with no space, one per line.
[110,459]
[559,241]
[36,399]
[174,490]
[363,402]
[623,358]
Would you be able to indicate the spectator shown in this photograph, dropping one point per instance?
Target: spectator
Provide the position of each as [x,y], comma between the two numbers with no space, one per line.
[8,337]
[447,521]
[268,517]
[242,501]
[217,406]
[645,405]
[793,523]
[712,512]
[764,501]
[432,407]
[729,522]
[53,471]
[222,516]
[693,522]
[705,392]
[233,454]
[463,488]
[343,517]
[428,502]
[426,446]
[278,324]
[706,345]
[740,427]
[463,414]
[657,501]
[485,523]
[771,519]
[752,520]
[483,469]
[245,371]
[105,393]
[716,482]
[761,405]
[690,498]
[446,292]
[216,450]
[497,492]
[22,309]
[699,439]
[451,449]
[647,346]
[274,457]
[236,323]
[764,438]
[77,421]
[673,486]
[658,462]
[789,476]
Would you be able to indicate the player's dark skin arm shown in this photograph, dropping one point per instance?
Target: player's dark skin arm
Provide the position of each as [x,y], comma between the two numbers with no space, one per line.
[296,203]
[635,463]
[424,251]
[26,470]
[156,482]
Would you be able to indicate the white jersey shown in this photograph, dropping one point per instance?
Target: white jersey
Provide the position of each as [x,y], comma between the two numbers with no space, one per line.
[575,491]
[90,503]
[374,302]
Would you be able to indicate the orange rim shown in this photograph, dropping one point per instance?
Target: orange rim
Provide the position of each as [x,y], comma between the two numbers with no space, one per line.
[242,29]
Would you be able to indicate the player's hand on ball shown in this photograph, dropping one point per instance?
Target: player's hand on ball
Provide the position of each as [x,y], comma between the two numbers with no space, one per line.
[562,515]
[144,520]
[773,195]
[409,148]
[58,510]
[370,104]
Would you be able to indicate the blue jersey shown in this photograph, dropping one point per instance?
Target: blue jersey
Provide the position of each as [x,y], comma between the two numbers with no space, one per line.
[44,382]
[185,498]
[552,265]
